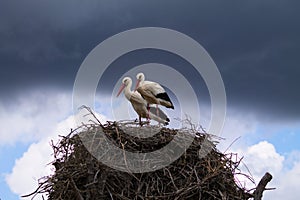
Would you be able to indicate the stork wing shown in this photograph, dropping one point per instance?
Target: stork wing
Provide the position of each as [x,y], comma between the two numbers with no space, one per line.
[155,88]
[137,98]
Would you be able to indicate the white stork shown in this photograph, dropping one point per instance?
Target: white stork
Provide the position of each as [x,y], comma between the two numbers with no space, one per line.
[152,92]
[139,104]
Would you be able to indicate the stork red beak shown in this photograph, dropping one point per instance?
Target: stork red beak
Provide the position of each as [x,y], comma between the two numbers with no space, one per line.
[121,89]
[137,84]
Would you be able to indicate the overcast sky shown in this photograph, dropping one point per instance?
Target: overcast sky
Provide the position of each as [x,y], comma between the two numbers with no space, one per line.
[255,45]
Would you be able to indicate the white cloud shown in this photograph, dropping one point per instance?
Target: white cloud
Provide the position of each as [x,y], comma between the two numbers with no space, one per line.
[263,157]
[31,115]
[292,159]
[34,162]
[34,114]
[39,117]
[288,185]
[238,126]
[259,159]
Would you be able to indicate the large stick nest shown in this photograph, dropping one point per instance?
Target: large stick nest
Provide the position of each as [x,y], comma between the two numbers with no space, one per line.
[78,175]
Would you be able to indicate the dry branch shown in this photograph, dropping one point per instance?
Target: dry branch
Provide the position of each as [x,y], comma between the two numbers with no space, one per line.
[261,187]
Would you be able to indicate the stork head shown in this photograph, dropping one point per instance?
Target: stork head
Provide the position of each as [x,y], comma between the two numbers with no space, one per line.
[140,77]
[125,82]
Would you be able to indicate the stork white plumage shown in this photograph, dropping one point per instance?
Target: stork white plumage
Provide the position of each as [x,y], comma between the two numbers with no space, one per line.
[139,104]
[153,92]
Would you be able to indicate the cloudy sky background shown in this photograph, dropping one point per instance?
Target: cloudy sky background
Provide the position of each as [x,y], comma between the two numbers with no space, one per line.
[255,45]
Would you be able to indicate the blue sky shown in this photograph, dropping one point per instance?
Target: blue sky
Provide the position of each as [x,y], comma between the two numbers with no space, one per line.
[254,44]
[9,153]
[285,139]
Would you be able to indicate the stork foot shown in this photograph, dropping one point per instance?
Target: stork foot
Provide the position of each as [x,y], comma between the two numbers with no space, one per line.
[148,122]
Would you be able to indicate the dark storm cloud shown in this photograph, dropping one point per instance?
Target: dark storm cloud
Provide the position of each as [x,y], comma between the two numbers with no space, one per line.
[44,42]
[255,44]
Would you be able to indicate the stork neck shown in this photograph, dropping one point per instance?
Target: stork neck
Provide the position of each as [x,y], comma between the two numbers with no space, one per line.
[127,91]
[143,79]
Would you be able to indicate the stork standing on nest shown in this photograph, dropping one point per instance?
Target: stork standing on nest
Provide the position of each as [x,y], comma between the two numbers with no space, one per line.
[139,104]
[153,93]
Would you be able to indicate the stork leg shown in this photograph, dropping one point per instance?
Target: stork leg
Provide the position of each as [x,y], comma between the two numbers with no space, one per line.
[148,117]
[148,108]
[140,120]
[157,111]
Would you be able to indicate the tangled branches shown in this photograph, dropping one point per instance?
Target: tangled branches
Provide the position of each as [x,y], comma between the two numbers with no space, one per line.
[78,175]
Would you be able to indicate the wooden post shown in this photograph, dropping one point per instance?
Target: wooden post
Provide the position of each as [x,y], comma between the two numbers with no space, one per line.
[262,186]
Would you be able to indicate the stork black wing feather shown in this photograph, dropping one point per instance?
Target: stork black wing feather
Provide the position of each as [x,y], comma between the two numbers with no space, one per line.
[165,97]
